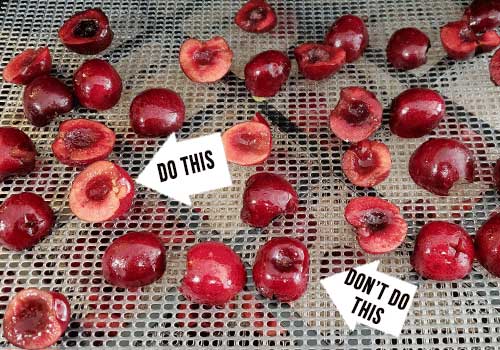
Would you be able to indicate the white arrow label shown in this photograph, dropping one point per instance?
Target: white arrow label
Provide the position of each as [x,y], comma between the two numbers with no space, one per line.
[364,295]
[188,167]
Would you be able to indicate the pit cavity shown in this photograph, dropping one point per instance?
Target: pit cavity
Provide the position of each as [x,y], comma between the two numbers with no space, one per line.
[86,28]
[80,138]
[203,57]
[257,14]
[318,54]
[98,188]
[376,220]
[357,113]
[32,316]
[467,35]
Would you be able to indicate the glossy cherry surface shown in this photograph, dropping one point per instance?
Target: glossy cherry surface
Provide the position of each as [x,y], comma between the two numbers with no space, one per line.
[266,73]
[17,153]
[317,62]
[488,244]
[28,65]
[349,33]
[407,48]
[483,14]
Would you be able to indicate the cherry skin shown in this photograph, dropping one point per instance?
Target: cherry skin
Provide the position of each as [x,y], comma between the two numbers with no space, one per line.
[349,33]
[407,48]
[266,73]
[317,62]
[25,218]
[97,85]
[17,153]
[28,65]
[157,112]
[416,112]
[443,252]
[36,319]
[266,197]
[488,244]
[134,260]
[214,274]
[281,269]
[496,174]
[483,15]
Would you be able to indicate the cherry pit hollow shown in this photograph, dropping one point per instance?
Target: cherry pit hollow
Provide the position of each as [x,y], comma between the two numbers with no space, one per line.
[181,169]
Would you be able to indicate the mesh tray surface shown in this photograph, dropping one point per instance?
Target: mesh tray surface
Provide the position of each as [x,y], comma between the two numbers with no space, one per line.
[461,314]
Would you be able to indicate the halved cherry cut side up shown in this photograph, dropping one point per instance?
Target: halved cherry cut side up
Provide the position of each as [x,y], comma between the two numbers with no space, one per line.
[357,115]
[28,65]
[380,227]
[248,143]
[36,319]
[205,61]
[81,142]
[458,39]
[256,16]
[87,32]
[101,192]
[367,163]
[317,61]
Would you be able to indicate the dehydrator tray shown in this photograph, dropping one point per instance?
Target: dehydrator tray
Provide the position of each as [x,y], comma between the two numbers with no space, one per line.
[148,34]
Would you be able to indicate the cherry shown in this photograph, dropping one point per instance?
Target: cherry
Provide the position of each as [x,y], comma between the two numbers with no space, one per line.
[87,32]
[36,319]
[266,73]
[25,218]
[496,174]
[214,274]
[443,252]
[407,48]
[488,244]
[281,269]
[494,68]
[28,65]
[97,85]
[437,164]
[266,197]
[416,112]
[45,98]
[380,227]
[157,112]
[82,142]
[17,153]
[349,33]
[134,260]
[317,62]
[256,16]
[483,15]
[101,192]
[459,41]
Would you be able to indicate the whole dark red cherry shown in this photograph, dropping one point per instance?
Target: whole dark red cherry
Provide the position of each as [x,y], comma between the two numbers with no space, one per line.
[25,218]
[349,33]
[87,32]
[45,98]
[157,112]
[488,245]
[134,260]
[214,274]
[28,65]
[407,48]
[17,153]
[36,319]
[266,73]
[266,197]
[416,112]
[443,252]
[281,269]
[97,85]
[437,164]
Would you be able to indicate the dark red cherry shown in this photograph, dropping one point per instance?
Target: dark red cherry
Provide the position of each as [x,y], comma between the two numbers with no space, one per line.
[317,62]
[256,16]
[266,73]
[17,153]
[28,65]
[407,48]
[349,33]
[483,15]
[488,244]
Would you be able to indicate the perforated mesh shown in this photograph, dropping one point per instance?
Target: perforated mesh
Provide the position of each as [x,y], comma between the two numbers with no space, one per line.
[147,39]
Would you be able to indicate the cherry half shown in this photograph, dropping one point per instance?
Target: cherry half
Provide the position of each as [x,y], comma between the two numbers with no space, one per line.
[214,274]
[349,33]
[256,16]
[488,244]
[28,65]
[82,142]
[17,153]
[87,32]
[437,164]
[36,319]
[134,260]
[443,252]
[266,197]
[317,62]
[407,48]
[25,218]
[380,227]
[266,72]
[483,15]
[281,269]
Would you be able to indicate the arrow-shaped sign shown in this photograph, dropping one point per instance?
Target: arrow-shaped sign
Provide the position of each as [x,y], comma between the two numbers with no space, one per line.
[181,169]
[364,295]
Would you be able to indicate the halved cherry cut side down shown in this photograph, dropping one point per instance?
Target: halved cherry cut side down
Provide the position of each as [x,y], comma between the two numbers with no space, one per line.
[205,61]
[82,141]
[36,319]
[248,143]
[317,61]
[357,116]
[256,16]
[380,227]
[101,192]
[367,163]
[87,32]
[28,65]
